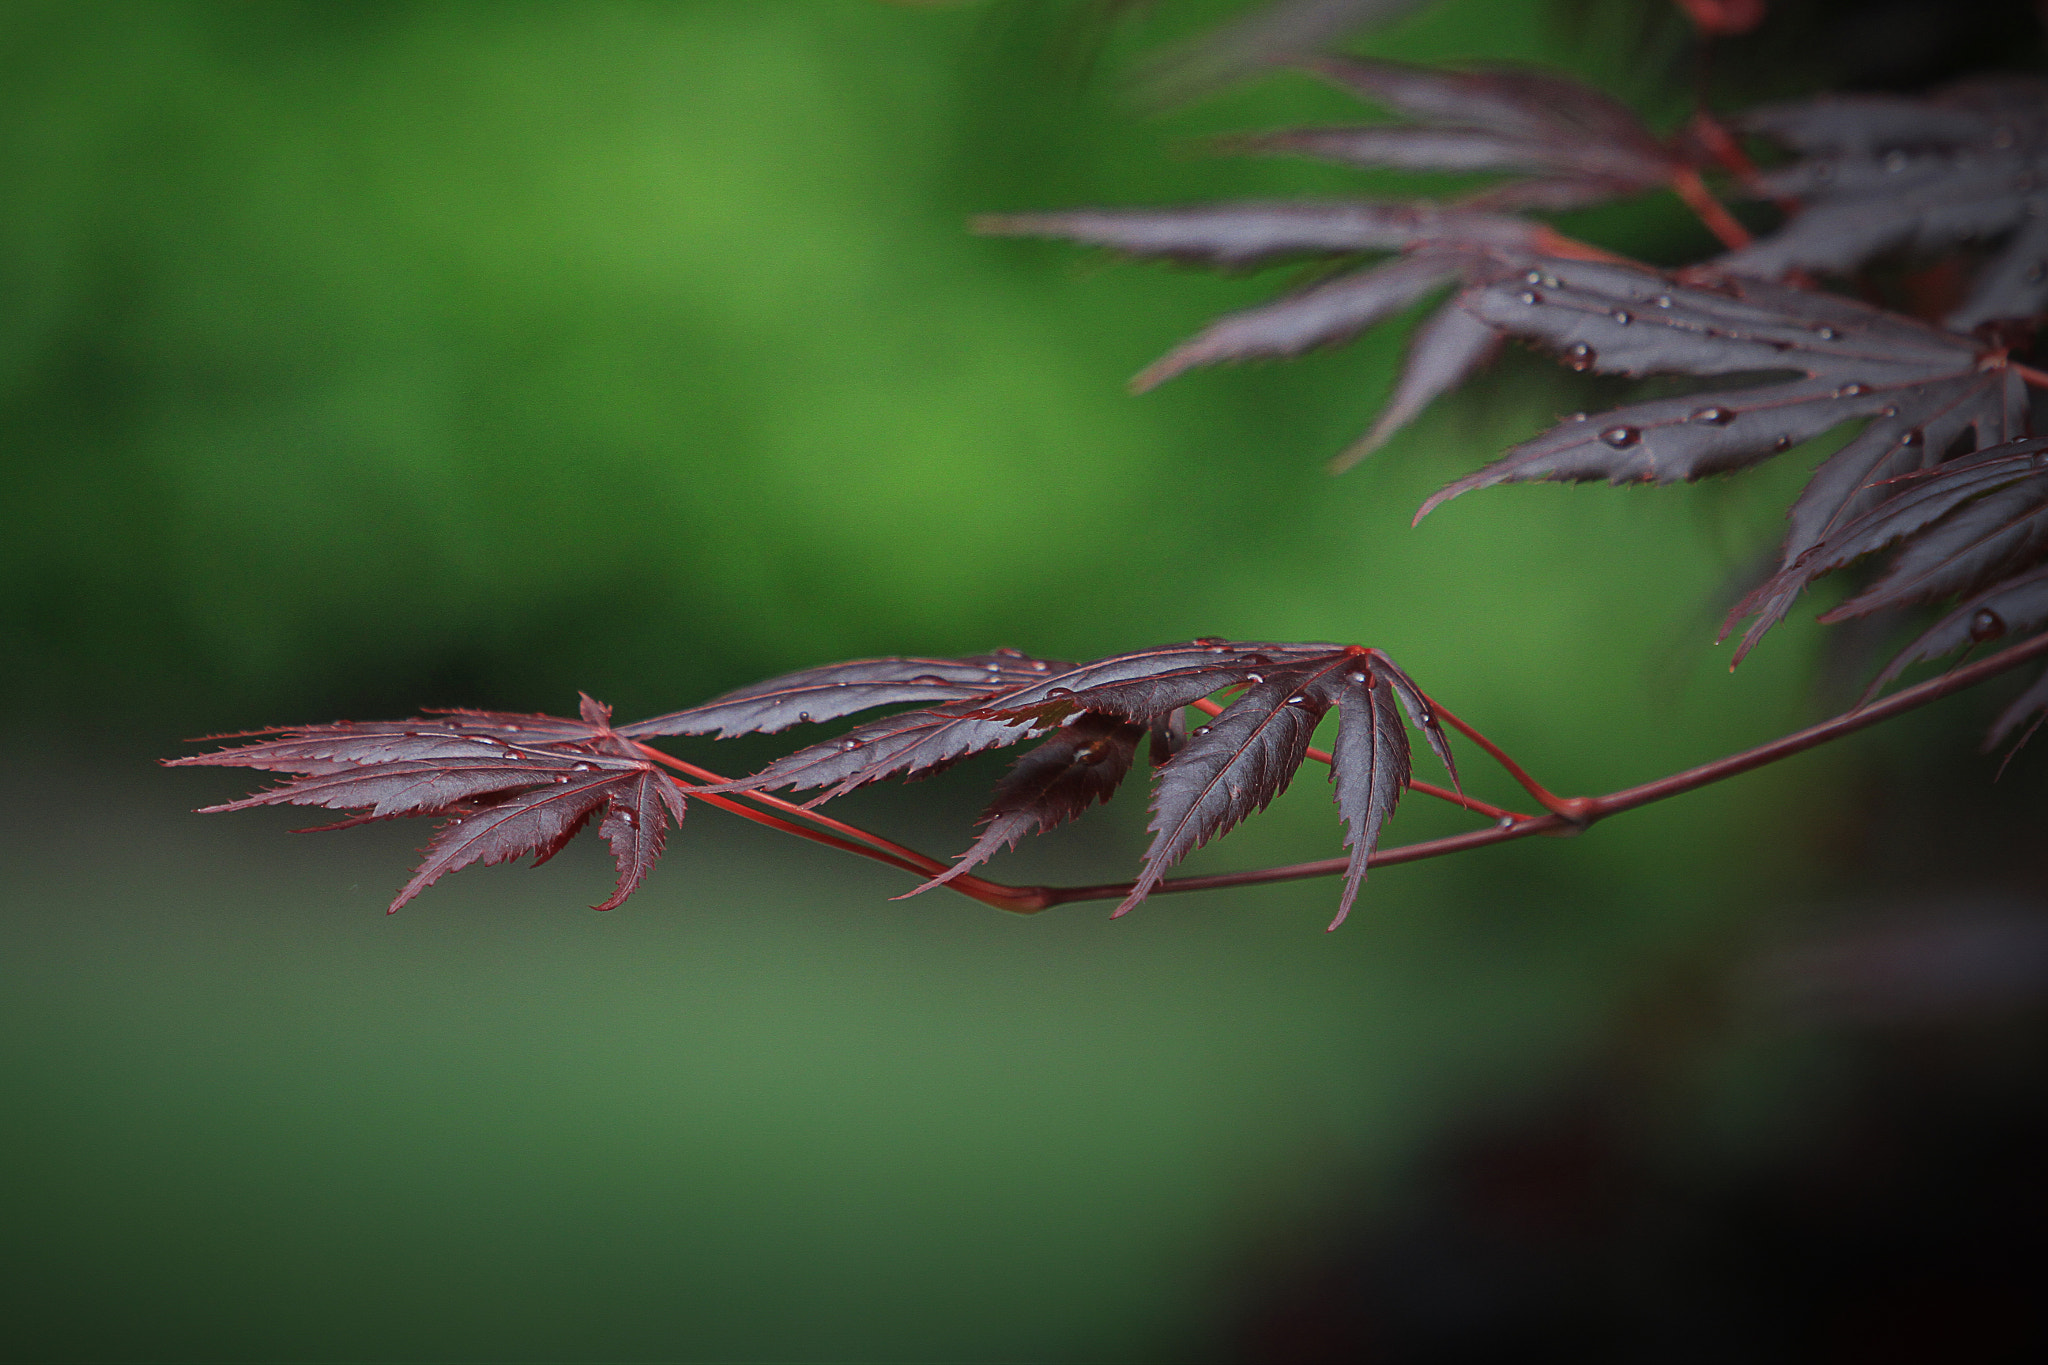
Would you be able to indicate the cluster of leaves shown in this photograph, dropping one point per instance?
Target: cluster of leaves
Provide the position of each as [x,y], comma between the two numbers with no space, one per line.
[1962,171]
[1939,201]
[509,785]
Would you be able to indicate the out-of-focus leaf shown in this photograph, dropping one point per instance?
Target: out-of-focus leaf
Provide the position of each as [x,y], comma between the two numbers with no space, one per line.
[1887,173]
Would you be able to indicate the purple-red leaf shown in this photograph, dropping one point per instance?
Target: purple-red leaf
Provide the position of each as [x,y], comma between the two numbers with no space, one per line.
[2017,606]
[1884,173]
[508,784]
[1255,233]
[1368,763]
[1922,389]
[1232,766]
[835,690]
[1080,763]
[1959,552]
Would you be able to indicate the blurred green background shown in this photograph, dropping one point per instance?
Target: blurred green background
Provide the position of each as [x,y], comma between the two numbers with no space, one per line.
[364,357]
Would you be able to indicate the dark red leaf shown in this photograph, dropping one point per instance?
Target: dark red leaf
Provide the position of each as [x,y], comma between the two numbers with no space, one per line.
[836,690]
[1082,762]
[1950,558]
[2013,608]
[1883,173]
[508,784]
[1232,766]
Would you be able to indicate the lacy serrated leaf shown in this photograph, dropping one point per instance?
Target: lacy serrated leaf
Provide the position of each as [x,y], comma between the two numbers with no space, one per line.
[509,784]
[1976,519]
[842,689]
[1956,555]
[1231,767]
[1489,119]
[1082,762]
[913,744]
[1262,232]
[2018,606]
[1887,173]
[1579,145]
[1922,388]
[1369,763]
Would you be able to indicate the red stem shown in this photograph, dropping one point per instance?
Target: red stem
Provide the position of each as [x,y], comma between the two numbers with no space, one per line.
[2037,378]
[1566,806]
[1017,900]
[1686,183]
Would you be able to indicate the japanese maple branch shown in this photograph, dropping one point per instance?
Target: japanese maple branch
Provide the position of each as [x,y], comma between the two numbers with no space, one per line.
[1595,807]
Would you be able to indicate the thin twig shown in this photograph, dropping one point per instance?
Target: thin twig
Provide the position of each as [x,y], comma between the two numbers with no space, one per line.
[1686,183]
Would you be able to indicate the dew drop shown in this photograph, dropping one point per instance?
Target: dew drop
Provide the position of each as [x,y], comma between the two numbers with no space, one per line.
[1257,659]
[1576,417]
[562,777]
[1781,445]
[1357,677]
[1040,666]
[1581,356]
[803,717]
[1713,416]
[513,753]
[628,819]
[1530,297]
[1986,625]
[1009,653]
[1210,640]
[928,679]
[1621,438]
[1201,730]
[1254,678]
[1622,317]
[1505,822]
[1887,411]
[991,667]
[1052,692]
[1826,333]
[1852,389]
[1298,699]
[583,767]
[848,745]
[1662,301]
[1089,753]
[1915,437]
[1532,277]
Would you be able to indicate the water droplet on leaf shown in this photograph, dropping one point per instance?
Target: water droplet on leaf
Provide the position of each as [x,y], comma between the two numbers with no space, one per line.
[1581,356]
[1622,317]
[1986,625]
[1621,438]
[1530,297]
[1715,416]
